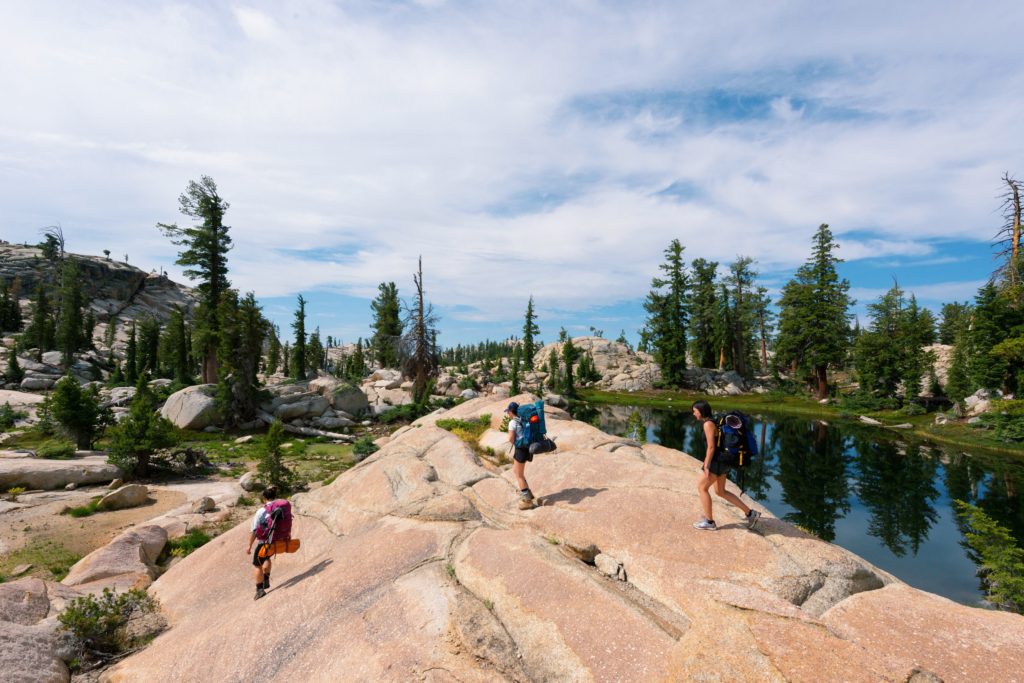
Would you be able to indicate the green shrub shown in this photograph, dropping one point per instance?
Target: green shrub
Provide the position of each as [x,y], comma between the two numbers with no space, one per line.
[195,538]
[471,428]
[56,449]
[271,466]
[1006,420]
[365,446]
[90,508]
[96,624]
[468,383]
[15,491]
[912,409]
[9,415]
[863,401]
[141,434]
[246,501]
[1001,559]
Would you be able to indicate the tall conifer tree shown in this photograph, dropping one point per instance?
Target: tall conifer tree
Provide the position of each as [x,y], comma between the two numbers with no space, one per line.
[666,306]
[813,319]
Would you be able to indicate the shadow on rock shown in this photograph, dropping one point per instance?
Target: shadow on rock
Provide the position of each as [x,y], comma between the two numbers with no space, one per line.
[312,571]
[571,496]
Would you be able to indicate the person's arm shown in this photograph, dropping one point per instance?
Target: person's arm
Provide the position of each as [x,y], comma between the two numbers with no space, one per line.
[512,431]
[710,434]
[252,537]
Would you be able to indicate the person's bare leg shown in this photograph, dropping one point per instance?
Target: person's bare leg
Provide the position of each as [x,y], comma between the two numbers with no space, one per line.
[703,484]
[729,495]
[519,469]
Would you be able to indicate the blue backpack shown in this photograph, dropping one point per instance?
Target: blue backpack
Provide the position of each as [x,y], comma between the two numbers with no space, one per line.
[736,442]
[531,417]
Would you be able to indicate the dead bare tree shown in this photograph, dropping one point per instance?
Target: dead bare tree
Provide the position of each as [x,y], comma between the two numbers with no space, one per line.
[419,346]
[1008,239]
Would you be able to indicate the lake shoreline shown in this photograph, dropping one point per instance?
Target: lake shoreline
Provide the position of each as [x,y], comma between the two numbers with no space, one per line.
[952,434]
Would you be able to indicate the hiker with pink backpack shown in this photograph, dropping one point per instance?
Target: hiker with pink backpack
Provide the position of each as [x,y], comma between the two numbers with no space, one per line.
[272,527]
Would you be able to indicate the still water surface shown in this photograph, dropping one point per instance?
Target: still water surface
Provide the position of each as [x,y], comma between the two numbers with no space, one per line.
[886,498]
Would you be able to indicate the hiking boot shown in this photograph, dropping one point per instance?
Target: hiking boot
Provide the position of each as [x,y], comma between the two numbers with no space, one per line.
[266,582]
[752,518]
[705,524]
[260,593]
[526,501]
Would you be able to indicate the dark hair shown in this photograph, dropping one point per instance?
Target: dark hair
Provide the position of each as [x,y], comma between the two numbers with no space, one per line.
[270,493]
[703,407]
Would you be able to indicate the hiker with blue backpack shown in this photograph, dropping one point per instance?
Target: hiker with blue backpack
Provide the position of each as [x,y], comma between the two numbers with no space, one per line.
[271,524]
[729,443]
[527,434]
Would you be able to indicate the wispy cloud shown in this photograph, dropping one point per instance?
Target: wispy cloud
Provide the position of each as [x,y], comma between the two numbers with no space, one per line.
[519,147]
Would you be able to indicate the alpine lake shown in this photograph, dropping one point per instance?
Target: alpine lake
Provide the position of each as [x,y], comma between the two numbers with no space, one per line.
[885,497]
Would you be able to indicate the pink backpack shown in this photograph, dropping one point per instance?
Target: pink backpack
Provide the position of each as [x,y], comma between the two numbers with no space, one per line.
[279,517]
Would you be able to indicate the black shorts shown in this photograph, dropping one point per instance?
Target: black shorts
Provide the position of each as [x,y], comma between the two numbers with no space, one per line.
[522,454]
[258,561]
[717,467]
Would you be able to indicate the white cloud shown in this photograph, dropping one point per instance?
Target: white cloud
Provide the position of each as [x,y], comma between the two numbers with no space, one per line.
[389,130]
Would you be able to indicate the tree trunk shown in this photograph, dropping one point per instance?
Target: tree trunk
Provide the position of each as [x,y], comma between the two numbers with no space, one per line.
[764,344]
[822,373]
[210,367]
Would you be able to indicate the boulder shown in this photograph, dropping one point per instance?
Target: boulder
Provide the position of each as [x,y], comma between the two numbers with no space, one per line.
[349,398]
[37,473]
[243,440]
[468,394]
[333,422]
[249,482]
[31,654]
[556,400]
[312,406]
[37,383]
[203,505]
[129,561]
[192,407]
[128,496]
[869,421]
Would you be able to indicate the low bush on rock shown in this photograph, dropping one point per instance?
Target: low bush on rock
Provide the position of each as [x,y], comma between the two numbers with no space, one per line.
[183,546]
[1006,420]
[364,447]
[141,434]
[56,449]
[90,508]
[271,467]
[96,625]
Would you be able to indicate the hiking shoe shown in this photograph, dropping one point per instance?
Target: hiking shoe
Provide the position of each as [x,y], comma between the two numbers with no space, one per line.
[705,524]
[266,582]
[260,593]
[752,518]
[526,503]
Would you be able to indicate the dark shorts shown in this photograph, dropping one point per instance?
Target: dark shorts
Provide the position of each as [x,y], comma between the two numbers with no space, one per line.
[522,454]
[717,467]
[257,561]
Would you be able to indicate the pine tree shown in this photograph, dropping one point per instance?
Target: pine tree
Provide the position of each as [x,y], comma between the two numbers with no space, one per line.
[10,311]
[741,281]
[148,346]
[622,340]
[554,382]
[131,358]
[273,352]
[141,434]
[286,354]
[992,323]
[241,348]
[41,333]
[666,306]
[271,466]
[13,374]
[703,314]
[890,352]
[205,255]
[173,348]
[723,328]
[765,320]
[421,361]
[514,389]
[357,364]
[570,354]
[530,330]
[813,319]
[315,351]
[299,348]
[70,322]
[78,411]
[387,325]
[954,318]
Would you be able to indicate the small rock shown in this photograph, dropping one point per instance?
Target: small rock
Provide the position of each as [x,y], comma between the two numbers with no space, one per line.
[243,439]
[824,401]
[71,486]
[20,569]
[869,421]
[974,421]
[212,429]
[468,394]
[116,484]
[905,425]
[941,419]
[203,505]
[609,566]
[287,444]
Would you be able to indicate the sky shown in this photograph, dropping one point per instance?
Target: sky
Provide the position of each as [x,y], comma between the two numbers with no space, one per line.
[551,149]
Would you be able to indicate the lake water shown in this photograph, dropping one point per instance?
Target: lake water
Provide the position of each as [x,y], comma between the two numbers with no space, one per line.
[886,498]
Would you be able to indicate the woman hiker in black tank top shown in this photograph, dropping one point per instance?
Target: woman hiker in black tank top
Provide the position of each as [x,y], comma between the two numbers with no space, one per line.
[713,473]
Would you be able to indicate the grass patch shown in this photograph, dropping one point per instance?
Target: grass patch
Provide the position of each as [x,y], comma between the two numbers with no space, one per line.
[316,461]
[49,560]
[90,508]
[246,501]
[183,546]
[56,449]
[470,432]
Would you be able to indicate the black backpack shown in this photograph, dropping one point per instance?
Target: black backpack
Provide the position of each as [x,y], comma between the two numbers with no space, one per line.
[736,443]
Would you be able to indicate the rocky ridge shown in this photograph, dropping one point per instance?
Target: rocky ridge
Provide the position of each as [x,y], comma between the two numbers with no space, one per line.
[416,565]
